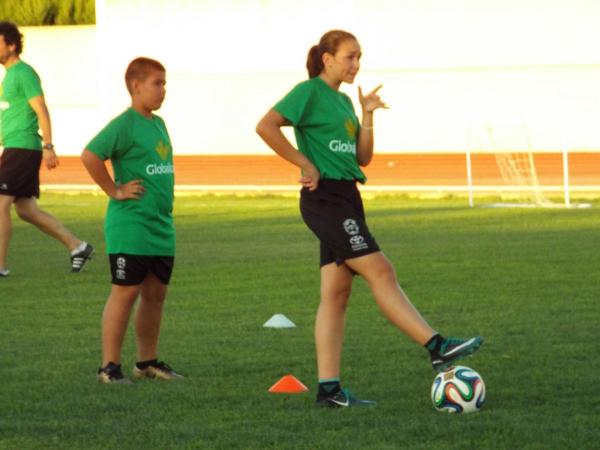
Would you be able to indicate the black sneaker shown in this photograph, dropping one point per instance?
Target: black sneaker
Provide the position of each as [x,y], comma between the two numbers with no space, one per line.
[342,399]
[79,259]
[111,374]
[4,273]
[159,370]
[453,349]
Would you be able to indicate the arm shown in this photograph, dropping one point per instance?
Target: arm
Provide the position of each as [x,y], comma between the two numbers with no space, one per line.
[38,104]
[97,170]
[369,103]
[364,148]
[269,129]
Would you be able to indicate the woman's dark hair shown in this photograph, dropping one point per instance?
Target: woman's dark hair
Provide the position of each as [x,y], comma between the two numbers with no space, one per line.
[329,43]
[12,36]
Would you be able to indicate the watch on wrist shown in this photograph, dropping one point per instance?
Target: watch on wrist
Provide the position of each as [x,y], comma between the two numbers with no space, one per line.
[48,146]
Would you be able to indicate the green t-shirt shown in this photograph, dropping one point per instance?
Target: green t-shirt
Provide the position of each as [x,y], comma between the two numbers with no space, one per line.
[139,148]
[326,128]
[19,127]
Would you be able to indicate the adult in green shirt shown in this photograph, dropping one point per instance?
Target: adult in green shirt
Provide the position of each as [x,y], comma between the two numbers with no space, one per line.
[23,113]
[332,145]
[139,231]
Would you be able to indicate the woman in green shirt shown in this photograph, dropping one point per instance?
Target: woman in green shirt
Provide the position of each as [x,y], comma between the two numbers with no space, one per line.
[332,145]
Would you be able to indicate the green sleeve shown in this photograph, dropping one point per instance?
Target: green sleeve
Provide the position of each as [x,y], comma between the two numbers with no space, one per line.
[113,140]
[31,84]
[293,106]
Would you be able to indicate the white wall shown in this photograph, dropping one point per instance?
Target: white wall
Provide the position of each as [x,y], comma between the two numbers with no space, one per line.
[448,68]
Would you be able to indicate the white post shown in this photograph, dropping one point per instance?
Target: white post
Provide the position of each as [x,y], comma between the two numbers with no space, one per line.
[566,177]
[469,178]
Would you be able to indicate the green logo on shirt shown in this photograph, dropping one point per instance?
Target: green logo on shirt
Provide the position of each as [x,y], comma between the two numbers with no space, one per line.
[350,128]
[163,150]
[339,146]
[161,169]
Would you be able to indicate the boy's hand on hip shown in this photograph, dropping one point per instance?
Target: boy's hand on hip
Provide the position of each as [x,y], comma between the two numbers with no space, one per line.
[131,190]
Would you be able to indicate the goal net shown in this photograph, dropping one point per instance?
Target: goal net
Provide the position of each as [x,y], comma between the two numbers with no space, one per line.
[512,151]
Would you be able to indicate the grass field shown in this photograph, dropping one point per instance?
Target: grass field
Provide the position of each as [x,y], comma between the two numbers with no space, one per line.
[527,280]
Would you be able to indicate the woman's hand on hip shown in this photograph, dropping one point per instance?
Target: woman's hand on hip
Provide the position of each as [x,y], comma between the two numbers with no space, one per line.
[310,176]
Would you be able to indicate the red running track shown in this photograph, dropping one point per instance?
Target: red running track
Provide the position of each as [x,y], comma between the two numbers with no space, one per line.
[426,170]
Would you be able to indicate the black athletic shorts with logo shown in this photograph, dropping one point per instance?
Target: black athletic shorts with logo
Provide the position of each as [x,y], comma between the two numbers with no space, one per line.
[131,270]
[20,172]
[334,213]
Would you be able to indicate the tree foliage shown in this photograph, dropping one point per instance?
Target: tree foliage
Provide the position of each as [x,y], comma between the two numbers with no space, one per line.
[48,12]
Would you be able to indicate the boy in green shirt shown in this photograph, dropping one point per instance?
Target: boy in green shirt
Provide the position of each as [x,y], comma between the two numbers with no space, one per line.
[23,113]
[140,236]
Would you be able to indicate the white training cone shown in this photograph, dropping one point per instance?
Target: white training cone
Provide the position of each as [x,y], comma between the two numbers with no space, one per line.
[279,321]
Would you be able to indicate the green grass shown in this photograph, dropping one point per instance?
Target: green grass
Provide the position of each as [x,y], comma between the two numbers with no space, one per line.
[527,280]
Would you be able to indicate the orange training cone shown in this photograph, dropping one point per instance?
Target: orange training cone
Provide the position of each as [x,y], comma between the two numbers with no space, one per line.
[288,384]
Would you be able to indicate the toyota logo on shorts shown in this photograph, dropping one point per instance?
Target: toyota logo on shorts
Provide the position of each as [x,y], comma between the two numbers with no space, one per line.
[356,240]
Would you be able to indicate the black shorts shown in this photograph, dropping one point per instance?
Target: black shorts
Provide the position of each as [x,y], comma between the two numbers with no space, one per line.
[131,270]
[20,172]
[335,214]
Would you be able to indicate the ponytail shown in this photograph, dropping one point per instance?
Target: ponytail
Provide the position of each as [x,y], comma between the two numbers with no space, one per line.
[314,62]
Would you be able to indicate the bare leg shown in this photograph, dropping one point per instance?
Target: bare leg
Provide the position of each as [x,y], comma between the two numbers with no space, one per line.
[391,299]
[5,227]
[29,211]
[114,321]
[148,317]
[336,285]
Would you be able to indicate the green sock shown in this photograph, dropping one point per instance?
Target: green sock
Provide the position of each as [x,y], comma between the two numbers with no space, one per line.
[329,386]
[434,344]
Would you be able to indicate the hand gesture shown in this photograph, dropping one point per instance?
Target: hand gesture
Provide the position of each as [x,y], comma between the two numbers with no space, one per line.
[371,101]
[50,158]
[310,177]
[131,190]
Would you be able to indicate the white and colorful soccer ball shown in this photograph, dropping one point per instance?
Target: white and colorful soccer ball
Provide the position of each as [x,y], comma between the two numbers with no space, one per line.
[459,389]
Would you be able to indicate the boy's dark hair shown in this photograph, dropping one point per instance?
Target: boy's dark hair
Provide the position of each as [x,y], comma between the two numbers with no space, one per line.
[329,43]
[12,36]
[139,69]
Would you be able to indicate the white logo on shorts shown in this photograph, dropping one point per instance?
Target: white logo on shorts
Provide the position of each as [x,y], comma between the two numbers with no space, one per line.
[358,243]
[356,240]
[351,227]
[120,272]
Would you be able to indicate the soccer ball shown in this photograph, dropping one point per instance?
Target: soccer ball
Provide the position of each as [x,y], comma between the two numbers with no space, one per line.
[459,389]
